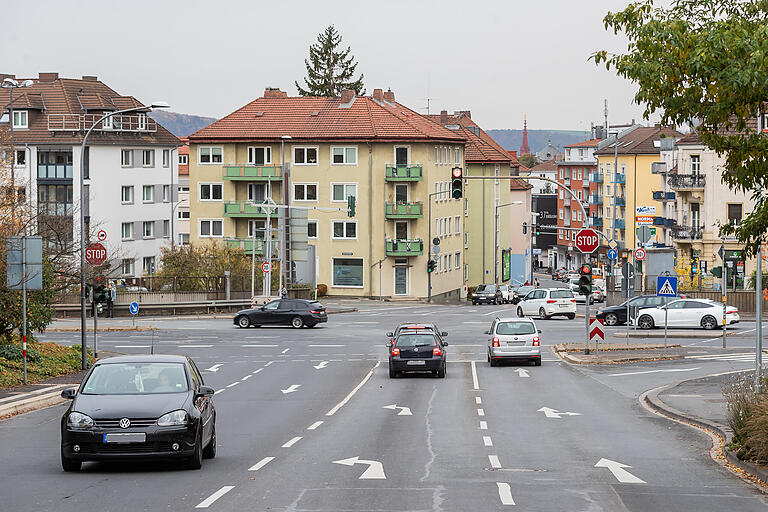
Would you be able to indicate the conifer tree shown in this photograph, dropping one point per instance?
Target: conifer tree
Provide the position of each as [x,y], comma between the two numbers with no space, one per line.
[329,68]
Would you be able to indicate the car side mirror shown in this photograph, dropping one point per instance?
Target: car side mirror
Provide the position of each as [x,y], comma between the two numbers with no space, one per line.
[390,334]
[443,333]
[204,391]
[538,330]
[445,343]
[486,332]
[68,393]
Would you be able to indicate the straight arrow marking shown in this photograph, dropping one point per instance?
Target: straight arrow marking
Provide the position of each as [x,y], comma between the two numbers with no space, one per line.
[375,470]
[213,368]
[522,372]
[621,474]
[505,493]
[291,389]
[404,411]
[321,365]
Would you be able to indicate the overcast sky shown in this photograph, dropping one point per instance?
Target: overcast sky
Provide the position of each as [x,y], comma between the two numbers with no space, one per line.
[500,59]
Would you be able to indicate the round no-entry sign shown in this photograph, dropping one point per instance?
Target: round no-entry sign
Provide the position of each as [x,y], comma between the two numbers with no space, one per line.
[95,254]
[101,235]
[587,241]
[266,267]
[639,253]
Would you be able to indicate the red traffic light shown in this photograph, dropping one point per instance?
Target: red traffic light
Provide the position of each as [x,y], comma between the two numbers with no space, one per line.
[586,269]
[457,172]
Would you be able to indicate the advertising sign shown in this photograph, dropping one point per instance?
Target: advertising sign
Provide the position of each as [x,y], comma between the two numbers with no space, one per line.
[505,264]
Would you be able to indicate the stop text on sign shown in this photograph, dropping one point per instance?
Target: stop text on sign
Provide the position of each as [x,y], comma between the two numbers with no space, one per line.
[587,241]
[95,254]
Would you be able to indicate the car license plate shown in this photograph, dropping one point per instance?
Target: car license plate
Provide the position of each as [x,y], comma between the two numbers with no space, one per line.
[515,342]
[416,363]
[563,305]
[132,437]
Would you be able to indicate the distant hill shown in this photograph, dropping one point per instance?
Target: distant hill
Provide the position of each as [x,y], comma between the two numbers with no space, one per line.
[537,139]
[180,125]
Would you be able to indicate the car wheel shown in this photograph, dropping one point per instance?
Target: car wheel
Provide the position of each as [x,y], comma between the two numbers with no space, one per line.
[210,451]
[243,322]
[441,372]
[571,316]
[645,322]
[708,322]
[543,314]
[520,312]
[392,373]
[488,356]
[611,319]
[537,362]
[196,460]
[297,322]
[70,464]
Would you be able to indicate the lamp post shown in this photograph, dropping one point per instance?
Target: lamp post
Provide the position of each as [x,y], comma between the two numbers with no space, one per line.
[157,104]
[496,239]
[10,83]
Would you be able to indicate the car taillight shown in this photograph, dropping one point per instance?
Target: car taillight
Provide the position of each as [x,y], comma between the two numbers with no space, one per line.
[395,351]
[436,351]
[495,341]
[732,310]
[573,300]
[552,301]
[535,341]
[392,341]
[315,311]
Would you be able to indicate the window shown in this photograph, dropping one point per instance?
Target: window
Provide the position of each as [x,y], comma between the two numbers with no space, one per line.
[183,159]
[695,164]
[184,214]
[210,227]
[166,193]
[21,158]
[348,272]
[305,191]
[341,191]
[561,213]
[344,156]
[456,225]
[560,173]
[734,214]
[149,265]
[148,158]
[579,216]
[147,193]
[466,207]
[457,259]
[148,229]
[20,119]
[127,267]
[126,158]
[126,195]
[210,154]
[448,229]
[166,228]
[183,238]
[450,259]
[457,158]
[578,193]
[312,229]
[260,156]
[579,175]
[466,240]
[560,192]
[211,191]
[437,154]
[257,228]
[126,230]
[142,122]
[344,229]
[166,157]
[305,156]
[573,214]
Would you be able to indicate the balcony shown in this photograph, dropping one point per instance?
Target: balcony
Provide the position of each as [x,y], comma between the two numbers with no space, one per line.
[670,223]
[620,201]
[686,233]
[567,200]
[596,222]
[621,178]
[253,173]
[664,196]
[405,247]
[404,173]
[117,123]
[686,181]
[245,209]
[404,210]
[596,178]
[593,199]
[620,224]
[246,244]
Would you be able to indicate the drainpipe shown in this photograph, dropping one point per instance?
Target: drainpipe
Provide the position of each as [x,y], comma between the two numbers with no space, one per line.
[370,223]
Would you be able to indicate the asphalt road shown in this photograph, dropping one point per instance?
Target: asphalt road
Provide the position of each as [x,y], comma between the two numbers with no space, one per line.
[308,420]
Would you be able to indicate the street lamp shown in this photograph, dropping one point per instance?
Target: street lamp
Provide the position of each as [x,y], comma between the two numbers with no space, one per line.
[10,83]
[156,104]
[496,239]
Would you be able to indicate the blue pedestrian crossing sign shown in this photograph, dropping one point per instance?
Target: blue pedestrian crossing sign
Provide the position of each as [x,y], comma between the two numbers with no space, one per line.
[134,307]
[666,286]
[613,254]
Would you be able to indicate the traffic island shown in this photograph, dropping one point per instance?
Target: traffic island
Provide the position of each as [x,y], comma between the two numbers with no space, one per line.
[612,353]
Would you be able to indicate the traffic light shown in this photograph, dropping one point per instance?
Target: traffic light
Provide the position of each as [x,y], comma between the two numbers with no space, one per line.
[431,264]
[350,206]
[100,294]
[585,281]
[525,227]
[457,184]
[538,231]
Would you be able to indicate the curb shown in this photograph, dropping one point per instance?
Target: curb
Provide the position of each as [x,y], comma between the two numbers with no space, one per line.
[565,356]
[672,334]
[35,402]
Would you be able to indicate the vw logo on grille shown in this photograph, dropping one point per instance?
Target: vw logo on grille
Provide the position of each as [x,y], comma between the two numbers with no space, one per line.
[125,423]
[415,349]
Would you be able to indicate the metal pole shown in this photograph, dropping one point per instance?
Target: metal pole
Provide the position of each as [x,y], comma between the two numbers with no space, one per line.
[495,244]
[24,300]
[429,247]
[253,259]
[268,255]
[381,292]
[666,322]
[13,185]
[95,329]
[725,287]
[759,319]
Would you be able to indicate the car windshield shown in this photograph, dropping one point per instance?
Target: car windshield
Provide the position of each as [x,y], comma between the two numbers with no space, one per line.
[523,290]
[136,379]
[514,328]
[561,294]
[415,340]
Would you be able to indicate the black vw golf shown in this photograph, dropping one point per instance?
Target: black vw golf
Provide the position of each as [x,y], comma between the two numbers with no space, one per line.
[294,312]
[417,351]
[134,407]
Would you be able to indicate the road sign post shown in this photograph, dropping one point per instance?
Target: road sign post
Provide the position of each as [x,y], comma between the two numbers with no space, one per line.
[134,309]
[666,286]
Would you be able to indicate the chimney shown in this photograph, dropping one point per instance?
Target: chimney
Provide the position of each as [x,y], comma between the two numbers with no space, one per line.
[443,117]
[389,96]
[347,96]
[378,94]
[274,92]
[48,77]
[90,78]
[467,113]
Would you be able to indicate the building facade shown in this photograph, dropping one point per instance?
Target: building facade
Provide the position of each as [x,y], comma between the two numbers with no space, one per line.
[386,156]
[182,207]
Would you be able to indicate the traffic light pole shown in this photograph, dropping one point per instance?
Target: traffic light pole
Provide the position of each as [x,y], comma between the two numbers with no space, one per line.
[429,242]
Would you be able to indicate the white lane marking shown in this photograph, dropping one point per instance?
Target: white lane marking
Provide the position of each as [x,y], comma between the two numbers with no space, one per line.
[321,365]
[314,425]
[246,378]
[553,413]
[505,493]
[131,346]
[496,312]
[621,474]
[483,425]
[324,346]
[284,351]
[292,442]
[375,470]
[217,391]
[653,371]
[478,400]
[522,372]
[487,441]
[404,411]
[257,371]
[480,412]
[494,460]
[213,368]
[259,346]
[207,502]
[263,462]
[233,384]
[290,389]
[352,393]
[268,362]
[467,345]
[196,346]
[475,385]
[366,322]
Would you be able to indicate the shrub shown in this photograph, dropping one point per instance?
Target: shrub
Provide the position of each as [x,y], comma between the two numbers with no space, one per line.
[322,290]
[13,352]
[748,418]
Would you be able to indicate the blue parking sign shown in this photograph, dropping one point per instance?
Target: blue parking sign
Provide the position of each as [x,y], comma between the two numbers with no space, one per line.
[666,286]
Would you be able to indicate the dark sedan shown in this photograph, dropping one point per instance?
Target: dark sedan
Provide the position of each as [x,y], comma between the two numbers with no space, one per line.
[617,315]
[139,407]
[487,294]
[294,312]
[417,351]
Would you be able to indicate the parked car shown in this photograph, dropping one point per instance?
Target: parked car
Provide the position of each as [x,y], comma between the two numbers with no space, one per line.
[617,315]
[144,406]
[703,313]
[417,350]
[413,326]
[486,294]
[521,292]
[548,302]
[294,312]
[513,339]
[506,293]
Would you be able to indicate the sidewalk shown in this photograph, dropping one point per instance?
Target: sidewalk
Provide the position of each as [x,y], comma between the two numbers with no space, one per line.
[613,353]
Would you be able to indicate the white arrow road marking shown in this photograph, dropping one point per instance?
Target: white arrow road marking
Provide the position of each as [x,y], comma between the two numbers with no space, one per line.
[321,365]
[284,351]
[553,413]
[207,502]
[494,460]
[653,371]
[263,462]
[621,474]
[375,470]
[404,411]
[522,372]
[505,493]
[292,388]
[213,368]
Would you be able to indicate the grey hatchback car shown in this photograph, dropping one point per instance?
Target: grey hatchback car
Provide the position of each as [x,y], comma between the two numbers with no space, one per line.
[513,339]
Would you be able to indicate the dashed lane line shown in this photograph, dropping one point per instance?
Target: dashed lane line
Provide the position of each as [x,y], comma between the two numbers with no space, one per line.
[494,460]
[233,384]
[478,400]
[487,441]
[292,442]
[263,462]
[284,351]
[207,502]
[352,393]
[257,371]
[259,346]
[505,493]
[483,425]
[246,378]
[475,385]
[314,425]
[480,412]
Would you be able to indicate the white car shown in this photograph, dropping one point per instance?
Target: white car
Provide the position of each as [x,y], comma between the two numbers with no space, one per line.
[513,339]
[506,293]
[548,302]
[703,313]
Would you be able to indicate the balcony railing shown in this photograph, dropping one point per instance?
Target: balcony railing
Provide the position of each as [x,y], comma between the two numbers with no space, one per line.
[246,244]
[620,201]
[405,247]
[596,221]
[596,178]
[244,209]
[117,123]
[593,199]
[686,181]
[404,210]
[404,173]
[660,195]
[620,224]
[687,233]
[567,200]
[621,178]
[253,172]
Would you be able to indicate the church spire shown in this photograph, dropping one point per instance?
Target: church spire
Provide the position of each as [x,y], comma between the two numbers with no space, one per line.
[524,149]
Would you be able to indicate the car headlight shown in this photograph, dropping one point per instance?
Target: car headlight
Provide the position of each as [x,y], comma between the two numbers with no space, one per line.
[474,295]
[79,420]
[173,418]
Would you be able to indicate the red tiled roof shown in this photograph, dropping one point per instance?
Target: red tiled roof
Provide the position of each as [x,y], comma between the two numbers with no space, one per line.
[591,143]
[316,118]
[549,165]
[518,184]
[640,141]
[691,139]
[480,146]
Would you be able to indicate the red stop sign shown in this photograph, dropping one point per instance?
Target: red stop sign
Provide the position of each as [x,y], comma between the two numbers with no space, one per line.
[95,254]
[587,241]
